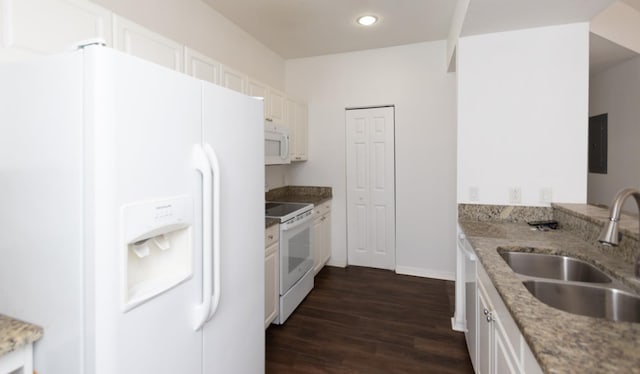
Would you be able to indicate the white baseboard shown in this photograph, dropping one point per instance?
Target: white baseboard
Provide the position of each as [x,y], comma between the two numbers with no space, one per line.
[337,263]
[426,273]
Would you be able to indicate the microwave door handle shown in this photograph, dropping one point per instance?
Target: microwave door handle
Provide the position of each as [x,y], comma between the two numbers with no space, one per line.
[285,152]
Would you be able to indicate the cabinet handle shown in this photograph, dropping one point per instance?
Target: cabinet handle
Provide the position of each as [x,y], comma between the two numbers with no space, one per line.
[489,319]
[486,312]
[270,236]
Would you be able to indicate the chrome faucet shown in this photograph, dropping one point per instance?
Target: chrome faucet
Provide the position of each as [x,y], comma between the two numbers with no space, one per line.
[609,236]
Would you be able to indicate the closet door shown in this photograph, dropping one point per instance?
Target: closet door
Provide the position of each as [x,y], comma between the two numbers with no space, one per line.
[371,187]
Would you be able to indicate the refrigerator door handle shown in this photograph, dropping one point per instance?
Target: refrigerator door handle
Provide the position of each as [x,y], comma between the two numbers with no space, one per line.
[201,312]
[215,167]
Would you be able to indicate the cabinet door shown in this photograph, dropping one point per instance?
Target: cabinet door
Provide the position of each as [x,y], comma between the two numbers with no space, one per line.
[271,284]
[257,89]
[485,332]
[135,40]
[504,360]
[277,103]
[36,27]
[326,233]
[291,107]
[233,80]
[317,242]
[200,66]
[301,132]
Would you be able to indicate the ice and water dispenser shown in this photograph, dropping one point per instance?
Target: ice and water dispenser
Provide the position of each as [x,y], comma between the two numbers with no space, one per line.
[157,247]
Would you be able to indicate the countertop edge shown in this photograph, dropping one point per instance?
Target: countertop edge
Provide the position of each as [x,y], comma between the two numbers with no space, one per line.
[15,334]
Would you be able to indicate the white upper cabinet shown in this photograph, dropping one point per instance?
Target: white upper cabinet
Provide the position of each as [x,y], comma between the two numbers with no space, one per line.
[257,89]
[136,40]
[274,101]
[277,106]
[302,133]
[297,120]
[200,66]
[39,27]
[233,79]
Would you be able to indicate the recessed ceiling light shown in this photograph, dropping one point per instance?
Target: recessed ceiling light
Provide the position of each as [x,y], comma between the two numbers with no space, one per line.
[367,20]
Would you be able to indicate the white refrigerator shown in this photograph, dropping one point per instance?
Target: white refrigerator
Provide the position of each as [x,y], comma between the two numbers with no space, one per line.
[131,216]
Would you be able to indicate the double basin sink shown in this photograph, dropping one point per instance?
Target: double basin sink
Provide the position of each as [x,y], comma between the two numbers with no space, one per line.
[574,286]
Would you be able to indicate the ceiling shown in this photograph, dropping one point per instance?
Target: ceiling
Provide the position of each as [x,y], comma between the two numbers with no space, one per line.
[305,28]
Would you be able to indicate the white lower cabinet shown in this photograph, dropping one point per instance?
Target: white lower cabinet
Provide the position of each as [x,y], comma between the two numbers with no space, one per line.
[321,232]
[271,274]
[501,348]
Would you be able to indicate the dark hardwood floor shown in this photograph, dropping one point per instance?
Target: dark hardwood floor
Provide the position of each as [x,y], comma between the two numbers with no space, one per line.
[361,320]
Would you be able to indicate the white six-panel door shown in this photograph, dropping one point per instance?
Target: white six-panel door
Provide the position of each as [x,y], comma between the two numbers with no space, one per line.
[371,187]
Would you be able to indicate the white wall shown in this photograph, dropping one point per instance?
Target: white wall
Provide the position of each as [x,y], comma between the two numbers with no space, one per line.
[616,91]
[454,32]
[197,25]
[414,79]
[522,115]
[276,176]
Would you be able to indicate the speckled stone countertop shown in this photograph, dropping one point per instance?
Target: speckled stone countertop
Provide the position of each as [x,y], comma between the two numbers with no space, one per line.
[561,342]
[268,222]
[14,334]
[300,194]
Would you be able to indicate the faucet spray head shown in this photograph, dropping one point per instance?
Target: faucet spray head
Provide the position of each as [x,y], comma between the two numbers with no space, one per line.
[609,235]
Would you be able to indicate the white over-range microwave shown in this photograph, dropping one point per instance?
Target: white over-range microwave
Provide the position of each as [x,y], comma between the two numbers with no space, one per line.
[276,144]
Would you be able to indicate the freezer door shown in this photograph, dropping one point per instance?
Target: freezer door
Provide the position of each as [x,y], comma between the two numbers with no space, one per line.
[143,124]
[234,336]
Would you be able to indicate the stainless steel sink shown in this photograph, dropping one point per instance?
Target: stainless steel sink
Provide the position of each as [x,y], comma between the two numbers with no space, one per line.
[600,302]
[554,267]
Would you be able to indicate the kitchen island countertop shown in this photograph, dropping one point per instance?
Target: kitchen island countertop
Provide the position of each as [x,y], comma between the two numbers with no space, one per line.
[14,334]
[561,342]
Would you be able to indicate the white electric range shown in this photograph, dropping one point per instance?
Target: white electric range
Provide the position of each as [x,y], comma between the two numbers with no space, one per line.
[295,253]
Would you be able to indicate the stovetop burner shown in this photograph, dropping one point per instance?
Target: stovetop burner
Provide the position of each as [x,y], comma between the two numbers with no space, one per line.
[285,211]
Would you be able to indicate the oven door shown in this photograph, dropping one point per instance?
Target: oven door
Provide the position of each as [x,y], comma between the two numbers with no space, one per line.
[296,257]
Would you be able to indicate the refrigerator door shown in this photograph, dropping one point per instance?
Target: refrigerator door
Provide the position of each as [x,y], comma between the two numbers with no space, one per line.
[41,247]
[234,335]
[145,198]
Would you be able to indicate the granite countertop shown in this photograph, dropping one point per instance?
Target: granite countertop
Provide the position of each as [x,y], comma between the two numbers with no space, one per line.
[15,334]
[300,194]
[268,222]
[562,342]
[297,194]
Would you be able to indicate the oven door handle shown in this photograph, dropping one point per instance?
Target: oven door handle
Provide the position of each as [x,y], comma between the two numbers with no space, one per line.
[292,224]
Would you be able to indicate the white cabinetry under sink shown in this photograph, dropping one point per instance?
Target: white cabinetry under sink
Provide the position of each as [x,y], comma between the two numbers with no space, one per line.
[501,346]
[496,345]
